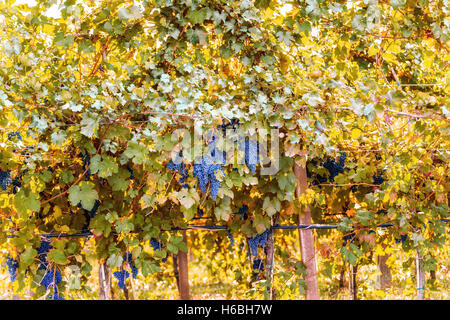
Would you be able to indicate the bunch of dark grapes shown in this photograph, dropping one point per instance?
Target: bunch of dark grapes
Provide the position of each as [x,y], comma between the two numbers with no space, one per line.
[56,295]
[131,172]
[349,237]
[13,134]
[12,268]
[26,150]
[318,179]
[258,266]
[127,258]
[90,214]
[402,239]
[234,123]
[378,178]
[101,68]
[205,173]
[243,211]
[218,157]
[251,153]
[201,172]
[333,167]
[16,181]
[258,241]
[180,167]
[157,245]
[5,179]
[184,175]
[51,279]
[42,253]
[86,162]
[230,236]
[121,276]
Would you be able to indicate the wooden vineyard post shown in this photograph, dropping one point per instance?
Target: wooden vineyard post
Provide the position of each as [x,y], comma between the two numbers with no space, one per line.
[183,273]
[270,248]
[104,276]
[175,270]
[385,278]
[306,237]
[342,277]
[420,276]
[352,282]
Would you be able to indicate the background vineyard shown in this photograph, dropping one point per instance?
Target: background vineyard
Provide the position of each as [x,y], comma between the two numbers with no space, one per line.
[104,106]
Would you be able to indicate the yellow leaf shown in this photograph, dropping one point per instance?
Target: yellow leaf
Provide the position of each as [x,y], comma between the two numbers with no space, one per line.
[394,48]
[373,50]
[380,293]
[428,61]
[390,57]
[356,133]
[57,212]
[379,251]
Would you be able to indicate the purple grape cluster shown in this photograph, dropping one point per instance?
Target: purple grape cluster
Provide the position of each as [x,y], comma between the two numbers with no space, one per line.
[205,173]
[230,236]
[121,276]
[26,151]
[12,268]
[181,168]
[56,295]
[349,237]
[51,279]
[333,167]
[402,239]
[127,258]
[86,162]
[90,214]
[218,156]
[234,123]
[251,152]
[258,266]
[134,271]
[258,241]
[5,179]
[243,211]
[42,253]
[157,245]
[131,172]
[16,181]
[13,134]
[378,178]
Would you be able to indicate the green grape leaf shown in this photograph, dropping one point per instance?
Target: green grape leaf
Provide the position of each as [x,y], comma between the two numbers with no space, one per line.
[84,193]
